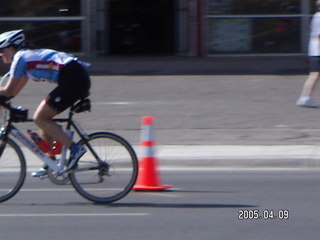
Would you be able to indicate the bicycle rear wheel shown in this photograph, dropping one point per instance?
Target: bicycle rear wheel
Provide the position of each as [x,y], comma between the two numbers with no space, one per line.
[111,174]
[12,169]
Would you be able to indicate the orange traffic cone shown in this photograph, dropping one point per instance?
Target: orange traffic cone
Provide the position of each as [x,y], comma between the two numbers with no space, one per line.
[148,176]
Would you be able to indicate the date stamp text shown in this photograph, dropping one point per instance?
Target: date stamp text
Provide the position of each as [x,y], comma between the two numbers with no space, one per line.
[266,214]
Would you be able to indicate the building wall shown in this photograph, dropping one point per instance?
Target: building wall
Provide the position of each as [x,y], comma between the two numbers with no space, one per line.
[187,27]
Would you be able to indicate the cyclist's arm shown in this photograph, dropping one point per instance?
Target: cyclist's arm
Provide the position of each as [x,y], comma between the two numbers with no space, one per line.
[18,78]
[13,87]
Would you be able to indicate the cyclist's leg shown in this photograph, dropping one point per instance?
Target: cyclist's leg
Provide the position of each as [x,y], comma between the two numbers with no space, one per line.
[74,84]
[43,118]
[49,131]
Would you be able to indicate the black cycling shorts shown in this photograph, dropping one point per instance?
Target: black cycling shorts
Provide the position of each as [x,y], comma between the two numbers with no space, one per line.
[73,85]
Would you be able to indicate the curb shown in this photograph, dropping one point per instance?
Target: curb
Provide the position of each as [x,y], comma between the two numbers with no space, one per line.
[225,157]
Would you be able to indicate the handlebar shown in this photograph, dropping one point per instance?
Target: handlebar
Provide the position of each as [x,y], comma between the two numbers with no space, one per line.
[17,114]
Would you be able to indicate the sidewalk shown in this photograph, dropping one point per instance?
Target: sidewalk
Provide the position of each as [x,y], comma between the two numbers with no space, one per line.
[239,157]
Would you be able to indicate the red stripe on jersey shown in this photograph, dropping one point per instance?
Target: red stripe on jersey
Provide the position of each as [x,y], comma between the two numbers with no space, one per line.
[44,65]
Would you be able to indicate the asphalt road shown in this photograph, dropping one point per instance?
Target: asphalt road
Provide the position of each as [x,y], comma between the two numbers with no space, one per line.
[201,205]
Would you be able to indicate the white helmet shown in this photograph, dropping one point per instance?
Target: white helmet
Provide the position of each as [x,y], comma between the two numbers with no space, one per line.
[12,38]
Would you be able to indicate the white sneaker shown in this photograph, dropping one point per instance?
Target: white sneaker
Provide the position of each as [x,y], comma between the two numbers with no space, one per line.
[41,173]
[306,102]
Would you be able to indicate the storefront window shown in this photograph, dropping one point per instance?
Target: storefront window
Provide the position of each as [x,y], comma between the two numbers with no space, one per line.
[37,8]
[59,35]
[253,7]
[254,35]
[251,26]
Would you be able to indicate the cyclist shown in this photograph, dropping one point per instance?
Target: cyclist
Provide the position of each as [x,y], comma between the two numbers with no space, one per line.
[73,83]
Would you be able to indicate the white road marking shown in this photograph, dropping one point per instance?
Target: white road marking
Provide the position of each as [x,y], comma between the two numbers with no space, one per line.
[74,215]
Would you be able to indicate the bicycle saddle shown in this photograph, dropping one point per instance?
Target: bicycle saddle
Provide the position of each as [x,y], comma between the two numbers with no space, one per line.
[81,106]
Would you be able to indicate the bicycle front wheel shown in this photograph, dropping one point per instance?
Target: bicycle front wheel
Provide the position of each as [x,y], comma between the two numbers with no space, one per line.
[107,171]
[12,169]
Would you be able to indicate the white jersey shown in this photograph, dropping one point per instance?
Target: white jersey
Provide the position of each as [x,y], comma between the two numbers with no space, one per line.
[314,42]
[39,64]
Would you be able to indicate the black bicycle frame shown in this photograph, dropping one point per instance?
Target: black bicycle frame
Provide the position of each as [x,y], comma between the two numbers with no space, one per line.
[11,129]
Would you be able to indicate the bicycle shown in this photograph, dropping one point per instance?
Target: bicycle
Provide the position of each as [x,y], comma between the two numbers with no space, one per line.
[104,174]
